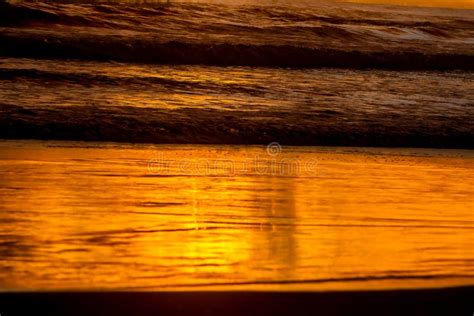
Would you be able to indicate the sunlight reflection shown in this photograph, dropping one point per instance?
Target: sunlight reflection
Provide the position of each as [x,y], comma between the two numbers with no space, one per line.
[92,217]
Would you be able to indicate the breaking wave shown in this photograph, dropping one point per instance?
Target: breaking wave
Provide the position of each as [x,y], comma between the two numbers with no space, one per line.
[249,35]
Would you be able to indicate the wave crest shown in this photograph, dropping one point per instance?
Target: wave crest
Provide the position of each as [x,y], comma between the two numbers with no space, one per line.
[238,35]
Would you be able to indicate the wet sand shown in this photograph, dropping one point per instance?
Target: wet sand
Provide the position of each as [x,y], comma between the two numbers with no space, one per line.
[105,216]
[121,229]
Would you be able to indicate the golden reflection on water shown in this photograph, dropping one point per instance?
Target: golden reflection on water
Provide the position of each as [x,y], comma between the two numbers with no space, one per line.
[174,217]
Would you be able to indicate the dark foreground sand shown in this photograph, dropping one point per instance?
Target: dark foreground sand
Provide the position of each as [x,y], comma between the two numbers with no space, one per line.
[448,301]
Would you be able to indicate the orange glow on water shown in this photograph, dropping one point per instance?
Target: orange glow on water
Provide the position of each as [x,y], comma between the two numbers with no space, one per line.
[88,218]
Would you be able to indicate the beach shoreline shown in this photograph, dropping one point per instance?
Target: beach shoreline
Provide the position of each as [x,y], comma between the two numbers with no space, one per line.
[236,157]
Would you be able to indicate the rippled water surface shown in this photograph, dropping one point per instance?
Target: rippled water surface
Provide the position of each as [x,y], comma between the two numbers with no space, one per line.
[89,216]
[104,101]
[249,33]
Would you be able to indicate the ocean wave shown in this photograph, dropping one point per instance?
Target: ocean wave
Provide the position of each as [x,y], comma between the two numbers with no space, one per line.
[28,14]
[210,34]
[98,101]
[227,54]
[106,80]
[211,126]
[83,78]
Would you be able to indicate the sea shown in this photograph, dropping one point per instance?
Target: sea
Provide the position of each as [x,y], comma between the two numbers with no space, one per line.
[244,145]
[317,73]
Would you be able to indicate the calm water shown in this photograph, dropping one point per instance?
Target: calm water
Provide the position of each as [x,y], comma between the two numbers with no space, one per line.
[90,216]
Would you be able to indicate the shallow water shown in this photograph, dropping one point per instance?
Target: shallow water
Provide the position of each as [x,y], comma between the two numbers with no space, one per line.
[109,216]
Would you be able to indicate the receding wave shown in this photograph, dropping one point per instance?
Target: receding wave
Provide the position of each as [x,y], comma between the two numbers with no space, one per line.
[238,35]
